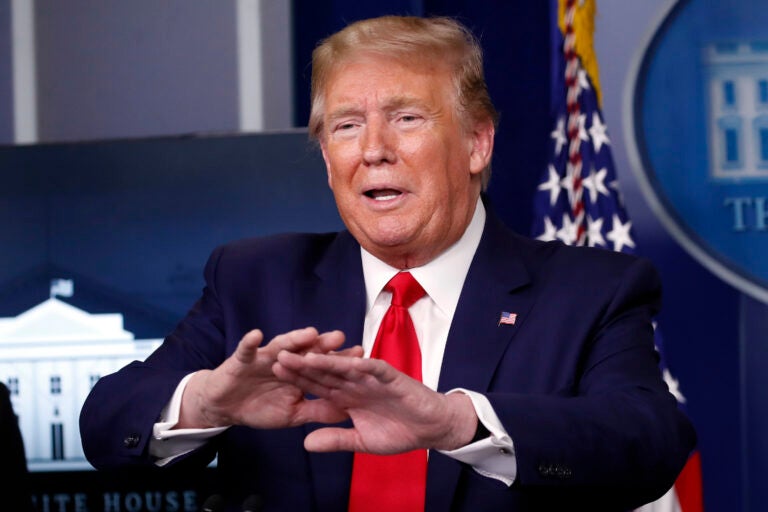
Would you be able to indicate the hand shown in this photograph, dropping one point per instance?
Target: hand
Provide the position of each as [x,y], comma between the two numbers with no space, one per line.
[244,391]
[391,412]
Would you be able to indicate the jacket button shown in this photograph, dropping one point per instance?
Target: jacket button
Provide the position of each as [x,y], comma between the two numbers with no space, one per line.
[132,441]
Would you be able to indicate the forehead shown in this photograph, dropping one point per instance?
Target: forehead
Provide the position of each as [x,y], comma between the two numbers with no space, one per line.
[369,77]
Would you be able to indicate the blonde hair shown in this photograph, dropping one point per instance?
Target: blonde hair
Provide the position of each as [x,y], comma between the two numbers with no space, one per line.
[408,39]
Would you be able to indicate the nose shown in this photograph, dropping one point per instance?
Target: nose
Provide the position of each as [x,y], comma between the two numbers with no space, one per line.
[378,142]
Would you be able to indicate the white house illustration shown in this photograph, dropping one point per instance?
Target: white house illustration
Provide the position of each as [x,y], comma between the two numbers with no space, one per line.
[50,357]
[737,83]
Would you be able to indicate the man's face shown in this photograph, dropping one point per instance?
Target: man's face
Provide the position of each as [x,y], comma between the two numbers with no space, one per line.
[404,171]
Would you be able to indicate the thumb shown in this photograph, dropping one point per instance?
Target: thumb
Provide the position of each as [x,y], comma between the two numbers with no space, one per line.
[331,439]
[246,349]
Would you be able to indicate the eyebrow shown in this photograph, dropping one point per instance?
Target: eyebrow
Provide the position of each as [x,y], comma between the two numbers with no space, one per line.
[398,102]
[344,111]
[394,103]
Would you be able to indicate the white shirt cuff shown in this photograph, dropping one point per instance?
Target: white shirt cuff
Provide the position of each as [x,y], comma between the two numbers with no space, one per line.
[167,444]
[493,457]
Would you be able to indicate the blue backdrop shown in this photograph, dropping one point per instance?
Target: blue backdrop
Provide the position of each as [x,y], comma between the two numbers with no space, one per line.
[133,221]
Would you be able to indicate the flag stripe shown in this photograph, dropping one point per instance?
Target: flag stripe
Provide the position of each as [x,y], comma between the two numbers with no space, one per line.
[688,485]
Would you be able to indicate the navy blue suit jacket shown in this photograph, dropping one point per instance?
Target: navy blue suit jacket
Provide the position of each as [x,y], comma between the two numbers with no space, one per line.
[575,380]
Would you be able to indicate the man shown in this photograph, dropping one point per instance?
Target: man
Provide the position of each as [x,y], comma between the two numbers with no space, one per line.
[536,388]
[17,484]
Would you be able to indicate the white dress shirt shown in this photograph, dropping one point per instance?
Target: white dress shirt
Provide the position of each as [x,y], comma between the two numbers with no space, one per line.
[442,279]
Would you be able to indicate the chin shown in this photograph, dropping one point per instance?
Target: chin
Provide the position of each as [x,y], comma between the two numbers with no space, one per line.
[393,238]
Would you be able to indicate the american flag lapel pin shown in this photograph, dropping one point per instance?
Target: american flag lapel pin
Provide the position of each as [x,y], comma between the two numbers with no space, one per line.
[507,318]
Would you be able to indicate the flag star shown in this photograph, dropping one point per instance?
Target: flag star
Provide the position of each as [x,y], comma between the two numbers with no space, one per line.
[619,234]
[550,231]
[582,119]
[673,385]
[582,78]
[558,134]
[594,232]
[552,184]
[569,183]
[595,183]
[599,132]
[569,232]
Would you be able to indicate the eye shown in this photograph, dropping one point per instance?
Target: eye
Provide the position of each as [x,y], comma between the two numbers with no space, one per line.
[409,120]
[345,128]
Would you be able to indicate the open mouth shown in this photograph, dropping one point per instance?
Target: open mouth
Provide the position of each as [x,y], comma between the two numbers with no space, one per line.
[383,194]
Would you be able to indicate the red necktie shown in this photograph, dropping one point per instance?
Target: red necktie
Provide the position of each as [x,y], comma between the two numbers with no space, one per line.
[394,482]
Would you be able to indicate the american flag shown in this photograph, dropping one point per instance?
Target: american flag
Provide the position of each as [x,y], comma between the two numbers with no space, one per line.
[507,318]
[578,200]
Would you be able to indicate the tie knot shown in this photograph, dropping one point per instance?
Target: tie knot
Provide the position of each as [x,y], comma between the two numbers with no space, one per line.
[405,289]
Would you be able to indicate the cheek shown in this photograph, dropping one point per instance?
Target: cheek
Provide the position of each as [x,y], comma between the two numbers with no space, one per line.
[338,168]
[328,166]
[416,147]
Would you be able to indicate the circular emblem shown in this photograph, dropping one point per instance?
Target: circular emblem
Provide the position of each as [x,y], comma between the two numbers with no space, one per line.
[698,134]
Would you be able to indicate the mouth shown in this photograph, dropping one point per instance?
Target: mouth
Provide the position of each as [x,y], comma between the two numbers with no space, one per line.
[383,194]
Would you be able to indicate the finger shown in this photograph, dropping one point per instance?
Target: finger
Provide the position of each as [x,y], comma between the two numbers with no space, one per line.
[294,341]
[329,341]
[354,351]
[331,439]
[308,384]
[353,369]
[327,369]
[246,349]
[320,411]
[327,363]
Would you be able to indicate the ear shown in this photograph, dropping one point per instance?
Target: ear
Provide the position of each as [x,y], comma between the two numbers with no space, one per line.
[324,151]
[481,148]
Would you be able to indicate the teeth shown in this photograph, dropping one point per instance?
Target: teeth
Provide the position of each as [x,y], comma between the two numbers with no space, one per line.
[383,194]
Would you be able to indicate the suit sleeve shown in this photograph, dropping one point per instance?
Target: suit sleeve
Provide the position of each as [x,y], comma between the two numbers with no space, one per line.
[612,423]
[118,416]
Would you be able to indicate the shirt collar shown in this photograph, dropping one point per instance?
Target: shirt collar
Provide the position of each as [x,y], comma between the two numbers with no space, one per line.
[442,278]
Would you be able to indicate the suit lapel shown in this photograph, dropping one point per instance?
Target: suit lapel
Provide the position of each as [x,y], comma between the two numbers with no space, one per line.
[496,283]
[333,297]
